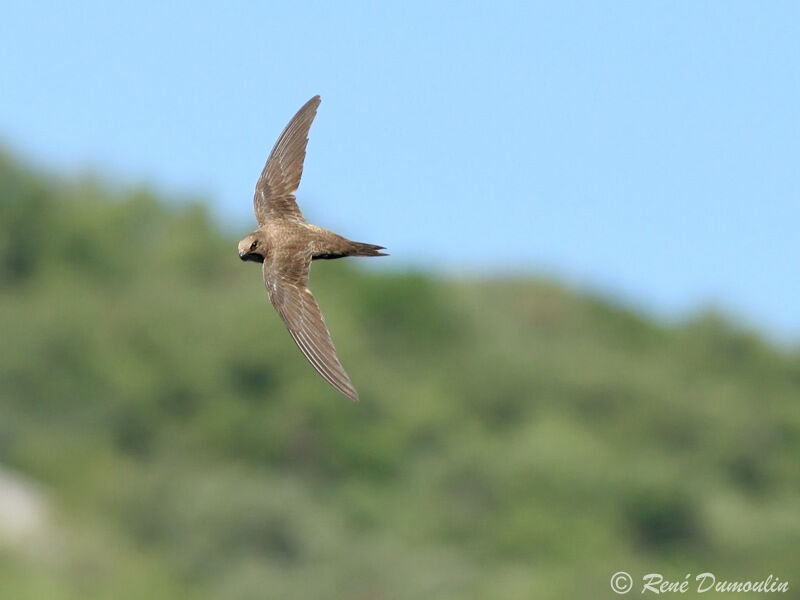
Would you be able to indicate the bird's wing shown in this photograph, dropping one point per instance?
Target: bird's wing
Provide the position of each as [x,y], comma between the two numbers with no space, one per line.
[274,196]
[286,278]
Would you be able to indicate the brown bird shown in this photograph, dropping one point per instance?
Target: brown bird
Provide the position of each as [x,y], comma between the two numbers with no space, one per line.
[286,244]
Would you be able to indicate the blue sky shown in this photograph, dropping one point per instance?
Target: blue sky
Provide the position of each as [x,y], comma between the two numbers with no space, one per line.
[647,149]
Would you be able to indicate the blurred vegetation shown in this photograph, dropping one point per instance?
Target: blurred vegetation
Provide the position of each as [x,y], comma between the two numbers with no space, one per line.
[514,439]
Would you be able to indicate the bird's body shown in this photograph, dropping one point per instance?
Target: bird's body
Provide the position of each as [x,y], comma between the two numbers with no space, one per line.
[304,237]
[286,245]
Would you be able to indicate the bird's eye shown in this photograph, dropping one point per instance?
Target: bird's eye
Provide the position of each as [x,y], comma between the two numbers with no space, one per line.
[253,246]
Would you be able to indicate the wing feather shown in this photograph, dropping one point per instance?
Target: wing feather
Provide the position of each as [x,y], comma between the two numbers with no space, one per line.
[274,195]
[286,278]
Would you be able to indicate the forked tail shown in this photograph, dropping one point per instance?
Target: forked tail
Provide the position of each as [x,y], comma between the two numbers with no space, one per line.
[359,249]
[342,247]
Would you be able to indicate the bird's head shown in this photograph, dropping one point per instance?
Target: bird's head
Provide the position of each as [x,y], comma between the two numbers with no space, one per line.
[253,247]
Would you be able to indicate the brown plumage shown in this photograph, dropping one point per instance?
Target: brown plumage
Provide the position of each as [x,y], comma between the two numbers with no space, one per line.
[286,244]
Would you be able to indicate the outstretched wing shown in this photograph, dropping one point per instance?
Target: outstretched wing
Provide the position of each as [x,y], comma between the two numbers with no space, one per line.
[286,278]
[274,196]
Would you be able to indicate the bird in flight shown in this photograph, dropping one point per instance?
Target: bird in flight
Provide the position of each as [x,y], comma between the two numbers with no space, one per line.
[286,244]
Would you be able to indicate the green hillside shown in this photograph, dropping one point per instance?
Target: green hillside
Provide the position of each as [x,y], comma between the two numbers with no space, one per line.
[514,439]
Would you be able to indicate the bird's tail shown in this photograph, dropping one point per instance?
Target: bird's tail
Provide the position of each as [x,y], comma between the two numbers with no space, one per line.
[335,246]
[360,249]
